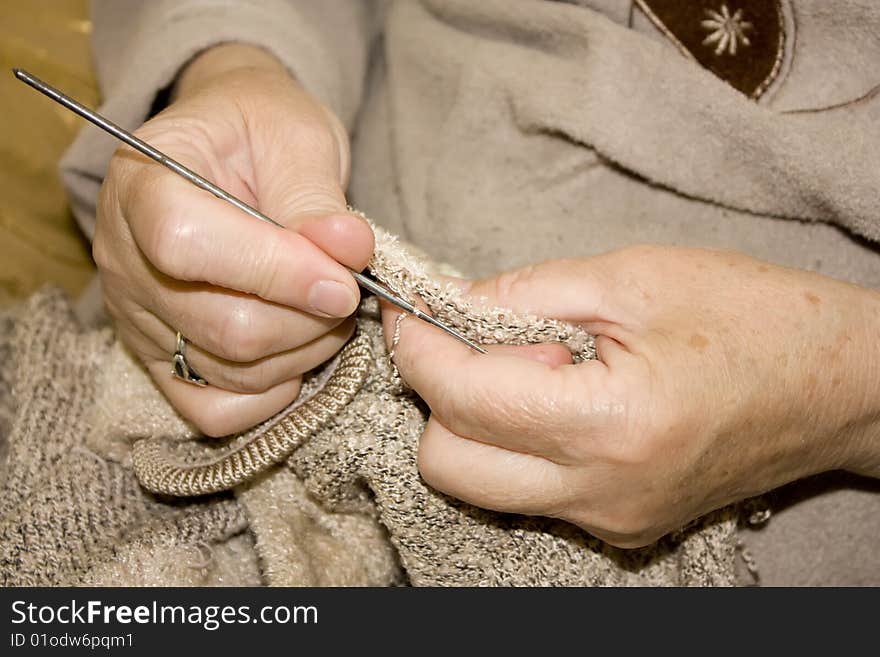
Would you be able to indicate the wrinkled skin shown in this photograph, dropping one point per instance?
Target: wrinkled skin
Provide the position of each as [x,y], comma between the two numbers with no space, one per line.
[259,305]
[718,377]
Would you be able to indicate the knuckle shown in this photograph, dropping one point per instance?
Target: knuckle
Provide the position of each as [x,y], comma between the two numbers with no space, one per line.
[484,407]
[151,208]
[629,526]
[457,411]
[239,338]
[508,285]
[624,527]
[526,418]
[169,246]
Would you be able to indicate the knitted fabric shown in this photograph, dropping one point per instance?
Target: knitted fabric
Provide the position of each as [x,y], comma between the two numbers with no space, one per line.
[329,488]
[67,515]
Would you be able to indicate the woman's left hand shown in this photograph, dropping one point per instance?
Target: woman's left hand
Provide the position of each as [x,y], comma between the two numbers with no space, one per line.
[719,377]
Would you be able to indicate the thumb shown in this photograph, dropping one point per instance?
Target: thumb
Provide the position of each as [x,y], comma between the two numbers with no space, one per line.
[343,236]
[300,185]
[552,354]
[562,289]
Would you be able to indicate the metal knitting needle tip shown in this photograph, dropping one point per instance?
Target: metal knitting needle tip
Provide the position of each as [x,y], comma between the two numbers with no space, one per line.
[451,331]
[382,293]
[202,183]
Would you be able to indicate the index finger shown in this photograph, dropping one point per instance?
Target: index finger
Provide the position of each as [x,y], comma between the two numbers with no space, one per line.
[189,235]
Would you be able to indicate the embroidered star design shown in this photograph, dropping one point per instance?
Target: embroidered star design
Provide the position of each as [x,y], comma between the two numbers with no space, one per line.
[728,30]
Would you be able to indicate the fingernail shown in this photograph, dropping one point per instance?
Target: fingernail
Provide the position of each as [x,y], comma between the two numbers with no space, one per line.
[332,298]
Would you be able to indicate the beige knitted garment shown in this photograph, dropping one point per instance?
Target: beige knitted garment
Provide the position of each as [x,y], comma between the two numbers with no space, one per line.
[104,484]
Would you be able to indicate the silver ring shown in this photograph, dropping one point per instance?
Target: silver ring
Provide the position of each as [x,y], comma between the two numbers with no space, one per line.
[181,369]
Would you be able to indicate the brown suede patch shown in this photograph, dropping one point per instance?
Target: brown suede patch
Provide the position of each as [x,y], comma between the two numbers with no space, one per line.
[740,41]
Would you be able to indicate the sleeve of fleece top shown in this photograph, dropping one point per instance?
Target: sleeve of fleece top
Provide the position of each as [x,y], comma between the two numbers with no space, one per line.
[140,46]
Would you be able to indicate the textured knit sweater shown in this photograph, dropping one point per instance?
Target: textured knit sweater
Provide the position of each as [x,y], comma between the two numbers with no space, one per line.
[586,126]
[325,493]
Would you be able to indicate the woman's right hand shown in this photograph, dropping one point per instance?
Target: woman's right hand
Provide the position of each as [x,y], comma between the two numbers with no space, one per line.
[258,305]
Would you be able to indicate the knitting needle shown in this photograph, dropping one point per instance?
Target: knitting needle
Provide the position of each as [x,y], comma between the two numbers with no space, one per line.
[202,183]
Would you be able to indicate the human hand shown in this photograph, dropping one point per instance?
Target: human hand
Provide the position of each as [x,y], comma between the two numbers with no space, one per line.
[258,305]
[719,377]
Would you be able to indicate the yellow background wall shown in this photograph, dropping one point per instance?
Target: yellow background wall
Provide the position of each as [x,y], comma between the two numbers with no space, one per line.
[39,241]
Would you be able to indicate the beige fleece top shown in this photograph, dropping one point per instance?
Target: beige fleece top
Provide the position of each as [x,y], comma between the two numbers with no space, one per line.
[501,132]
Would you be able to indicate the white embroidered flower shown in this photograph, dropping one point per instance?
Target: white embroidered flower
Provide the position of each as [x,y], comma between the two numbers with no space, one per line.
[728,30]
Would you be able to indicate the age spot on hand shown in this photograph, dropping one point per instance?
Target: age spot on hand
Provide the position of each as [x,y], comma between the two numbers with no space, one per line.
[812,298]
[698,342]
